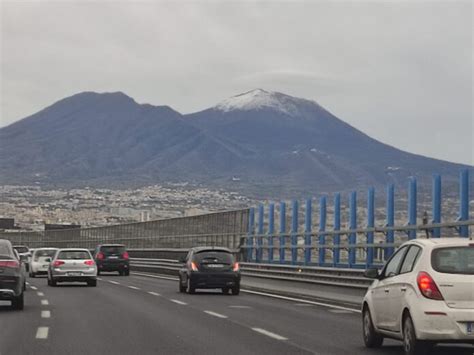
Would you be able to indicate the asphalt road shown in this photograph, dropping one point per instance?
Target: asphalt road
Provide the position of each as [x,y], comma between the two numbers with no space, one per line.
[143,315]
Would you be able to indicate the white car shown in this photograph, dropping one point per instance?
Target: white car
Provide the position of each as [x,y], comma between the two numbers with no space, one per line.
[39,261]
[424,295]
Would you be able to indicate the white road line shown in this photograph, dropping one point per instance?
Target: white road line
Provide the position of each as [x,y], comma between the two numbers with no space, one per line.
[33,288]
[42,333]
[328,305]
[303,305]
[115,282]
[215,314]
[339,311]
[41,294]
[45,314]
[45,302]
[154,293]
[134,288]
[27,283]
[99,278]
[240,307]
[269,334]
[178,302]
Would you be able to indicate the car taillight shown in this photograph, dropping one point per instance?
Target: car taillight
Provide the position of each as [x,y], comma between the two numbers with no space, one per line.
[236,267]
[89,262]
[194,266]
[428,287]
[100,256]
[125,256]
[10,264]
[58,263]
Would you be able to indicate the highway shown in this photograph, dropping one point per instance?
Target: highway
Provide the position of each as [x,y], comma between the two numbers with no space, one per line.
[147,315]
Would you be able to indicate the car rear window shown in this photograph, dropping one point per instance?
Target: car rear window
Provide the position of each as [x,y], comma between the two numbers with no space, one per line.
[112,250]
[21,249]
[44,253]
[453,260]
[74,255]
[6,252]
[210,256]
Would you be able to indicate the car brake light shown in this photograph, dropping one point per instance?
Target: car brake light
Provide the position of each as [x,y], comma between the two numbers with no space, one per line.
[125,255]
[89,262]
[58,263]
[10,264]
[194,266]
[428,287]
[100,256]
[236,267]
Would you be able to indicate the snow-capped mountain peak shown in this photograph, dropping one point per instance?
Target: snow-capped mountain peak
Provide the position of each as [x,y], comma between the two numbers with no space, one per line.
[261,99]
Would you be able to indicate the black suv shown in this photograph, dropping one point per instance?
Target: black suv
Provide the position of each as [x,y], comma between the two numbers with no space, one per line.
[12,276]
[112,257]
[209,267]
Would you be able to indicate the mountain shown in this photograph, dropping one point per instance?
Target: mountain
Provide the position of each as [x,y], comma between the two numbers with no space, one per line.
[260,142]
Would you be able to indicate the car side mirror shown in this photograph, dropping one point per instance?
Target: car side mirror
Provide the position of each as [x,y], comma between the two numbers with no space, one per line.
[372,273]
[48,260]
[182,259]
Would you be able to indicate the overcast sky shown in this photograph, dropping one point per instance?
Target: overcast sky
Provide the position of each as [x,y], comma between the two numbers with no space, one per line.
[400,71]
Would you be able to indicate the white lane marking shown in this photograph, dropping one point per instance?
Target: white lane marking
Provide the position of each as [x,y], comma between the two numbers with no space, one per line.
[27,283]
[302,301]
[215,314]
[41,294]
[42,333]
[45,302]
[240,307]
[339,311]
[154,293]
[99,278]
[269,334]
[34,288]
[179,302]
[133,287]
[115,282]
[45,314]
[303,305]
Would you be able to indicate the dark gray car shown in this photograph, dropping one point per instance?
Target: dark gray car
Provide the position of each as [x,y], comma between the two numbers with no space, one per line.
[12,276]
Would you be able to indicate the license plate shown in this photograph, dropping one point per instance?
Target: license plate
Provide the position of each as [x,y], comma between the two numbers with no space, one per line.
[470,327]
[215,265]
[113,257]
[45,266]
[74,273]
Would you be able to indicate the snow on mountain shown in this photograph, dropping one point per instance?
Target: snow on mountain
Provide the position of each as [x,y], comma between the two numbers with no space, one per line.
[259,99]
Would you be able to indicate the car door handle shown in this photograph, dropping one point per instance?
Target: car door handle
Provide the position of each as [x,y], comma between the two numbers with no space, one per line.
[387,290]
[403,289]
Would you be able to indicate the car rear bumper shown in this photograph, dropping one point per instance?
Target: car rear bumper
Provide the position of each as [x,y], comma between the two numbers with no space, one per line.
[214,279]
[10,287]
[113,266]
[74,278]
[6,294]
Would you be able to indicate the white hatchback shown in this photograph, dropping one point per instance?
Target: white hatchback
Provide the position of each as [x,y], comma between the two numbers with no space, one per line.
[39,261]
[424,295]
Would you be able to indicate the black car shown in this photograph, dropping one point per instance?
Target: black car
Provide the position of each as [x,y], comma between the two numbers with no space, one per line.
[12,276]
[209,268]
[112,257]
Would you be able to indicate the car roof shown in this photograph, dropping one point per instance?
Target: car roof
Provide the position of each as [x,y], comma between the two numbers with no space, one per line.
[210,248]
[111,245]
[73,249]
[433,242]
[52,248]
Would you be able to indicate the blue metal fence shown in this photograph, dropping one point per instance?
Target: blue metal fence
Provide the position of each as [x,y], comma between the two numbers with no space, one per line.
[355,246]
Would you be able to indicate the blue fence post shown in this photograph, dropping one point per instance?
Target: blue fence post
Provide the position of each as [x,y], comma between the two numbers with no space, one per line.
[282,232]
[250,234]
[370,224]
[337,227]
[259,253]
[464,197]
[412,207]
[294,232]
[322,228]
[390,236]
[436,204]
[271,230]
[353,225]
[307,228]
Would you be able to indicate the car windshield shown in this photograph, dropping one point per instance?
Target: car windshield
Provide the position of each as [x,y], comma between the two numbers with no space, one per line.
[454,260]
[74,255]
[21,249]
[49,253]
[210,257]
[5,251]
[112,249]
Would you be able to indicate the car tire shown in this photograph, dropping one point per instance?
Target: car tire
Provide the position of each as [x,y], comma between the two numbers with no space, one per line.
[372,339]
[412,345]
[18,303]
[182,289]
[92,283]
[127,272]
[236,290]
[190,288]
[98,272]
[53,283]
[32,275]
[225,290]
[121,273]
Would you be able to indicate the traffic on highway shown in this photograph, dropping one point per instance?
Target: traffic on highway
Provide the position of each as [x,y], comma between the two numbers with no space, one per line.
[423,299]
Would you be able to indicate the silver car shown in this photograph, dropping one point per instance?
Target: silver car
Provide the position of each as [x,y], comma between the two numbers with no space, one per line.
[72,265]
